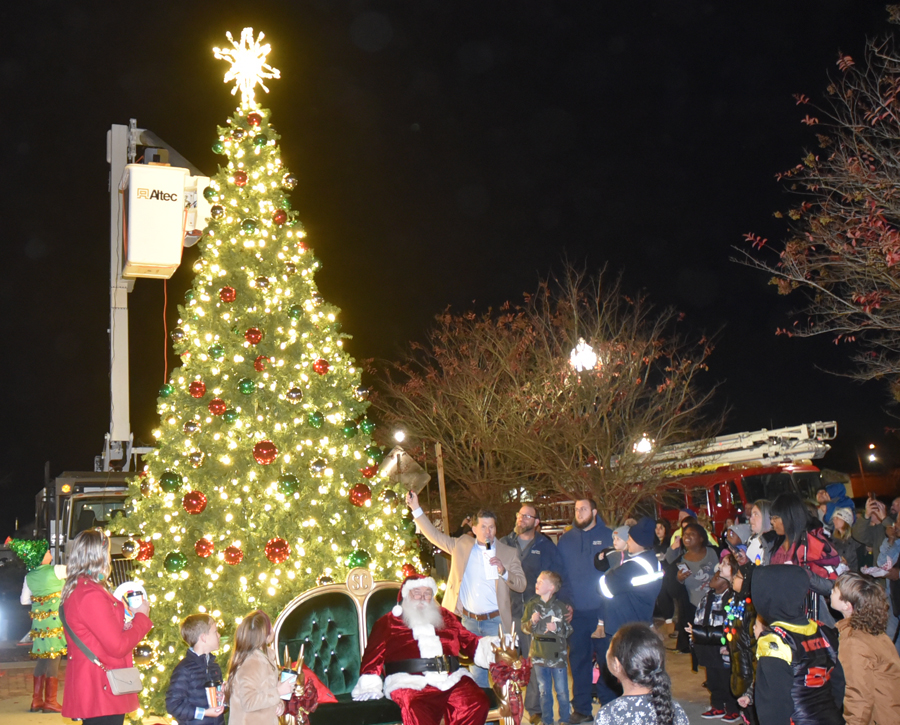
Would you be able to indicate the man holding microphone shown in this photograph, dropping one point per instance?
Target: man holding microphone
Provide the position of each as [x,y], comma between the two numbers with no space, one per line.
[483,571]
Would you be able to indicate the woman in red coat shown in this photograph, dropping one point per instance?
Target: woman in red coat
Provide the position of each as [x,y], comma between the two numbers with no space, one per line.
[98,619]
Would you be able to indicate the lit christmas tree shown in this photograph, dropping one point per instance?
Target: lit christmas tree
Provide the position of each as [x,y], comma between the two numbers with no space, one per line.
[261,486]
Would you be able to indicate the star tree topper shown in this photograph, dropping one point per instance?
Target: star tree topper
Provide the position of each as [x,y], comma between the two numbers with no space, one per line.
[248,65]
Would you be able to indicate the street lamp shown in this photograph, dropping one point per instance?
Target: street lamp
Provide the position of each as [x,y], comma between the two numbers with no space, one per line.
[583,356]
[399,435]
[644,445]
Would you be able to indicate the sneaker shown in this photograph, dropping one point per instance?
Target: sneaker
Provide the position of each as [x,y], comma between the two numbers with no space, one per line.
[576,718]
[732,717]
[713,714]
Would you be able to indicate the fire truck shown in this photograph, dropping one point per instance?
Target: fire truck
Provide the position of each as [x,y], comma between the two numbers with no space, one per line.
[725,476]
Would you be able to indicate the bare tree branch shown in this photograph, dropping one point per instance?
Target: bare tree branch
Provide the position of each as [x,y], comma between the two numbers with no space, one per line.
[843,252]
[497,390]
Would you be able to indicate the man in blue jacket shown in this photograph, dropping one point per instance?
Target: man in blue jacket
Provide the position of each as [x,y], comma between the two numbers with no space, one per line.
[577,549]
[631,589]
[537,553]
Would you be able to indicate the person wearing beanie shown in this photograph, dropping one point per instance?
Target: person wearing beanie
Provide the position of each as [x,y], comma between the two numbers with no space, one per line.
[412,658]
[41,589]
[631,589]
[842,539]
[799,679]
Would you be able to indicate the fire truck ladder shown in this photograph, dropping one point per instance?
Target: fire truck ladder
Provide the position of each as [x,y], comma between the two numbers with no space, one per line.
[782,445]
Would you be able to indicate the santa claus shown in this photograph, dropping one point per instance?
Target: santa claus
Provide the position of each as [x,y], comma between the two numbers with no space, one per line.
[412,657]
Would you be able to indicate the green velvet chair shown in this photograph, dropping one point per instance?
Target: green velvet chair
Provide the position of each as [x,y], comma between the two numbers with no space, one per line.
[332,623]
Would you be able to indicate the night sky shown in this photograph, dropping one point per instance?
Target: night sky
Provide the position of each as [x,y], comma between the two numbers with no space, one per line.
[450,152]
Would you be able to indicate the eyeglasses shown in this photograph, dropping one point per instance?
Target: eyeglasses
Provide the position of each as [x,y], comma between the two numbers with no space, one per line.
[525,516]
[421,593]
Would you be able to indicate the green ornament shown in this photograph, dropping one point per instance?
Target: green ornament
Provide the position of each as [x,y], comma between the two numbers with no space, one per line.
[366,426]
[349,429]
[189,295]
[216,351]
[218,147]
[260,140]
[375,453]
[295,312]
[230,415]
[175,562]
[246,386]
[286,203]
[166,390]
[249,225]
[209,193]
[288,484]
[358,558]
[170,482]
[315,419]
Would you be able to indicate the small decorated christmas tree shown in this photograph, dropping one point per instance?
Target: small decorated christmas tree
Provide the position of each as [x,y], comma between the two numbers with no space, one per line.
[264,482]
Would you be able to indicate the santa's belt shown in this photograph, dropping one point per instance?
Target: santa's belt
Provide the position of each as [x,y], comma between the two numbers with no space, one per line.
[421,666]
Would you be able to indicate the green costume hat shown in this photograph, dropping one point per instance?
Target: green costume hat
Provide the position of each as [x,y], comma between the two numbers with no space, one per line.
[30,551]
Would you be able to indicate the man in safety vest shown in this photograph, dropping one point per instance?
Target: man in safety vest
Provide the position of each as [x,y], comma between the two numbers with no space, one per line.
[631,589]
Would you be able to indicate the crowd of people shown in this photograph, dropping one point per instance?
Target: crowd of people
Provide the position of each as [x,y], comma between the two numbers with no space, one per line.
[764,608]
[792,614]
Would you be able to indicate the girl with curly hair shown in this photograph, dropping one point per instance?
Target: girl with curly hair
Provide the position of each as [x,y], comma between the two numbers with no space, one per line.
[637,659]
[871,664]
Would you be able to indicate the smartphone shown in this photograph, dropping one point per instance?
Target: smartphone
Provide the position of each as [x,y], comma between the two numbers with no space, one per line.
[134,599]
[684,567]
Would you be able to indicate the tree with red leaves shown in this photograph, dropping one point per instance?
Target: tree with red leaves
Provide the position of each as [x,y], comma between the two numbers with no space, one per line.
[843,251]
[514,417]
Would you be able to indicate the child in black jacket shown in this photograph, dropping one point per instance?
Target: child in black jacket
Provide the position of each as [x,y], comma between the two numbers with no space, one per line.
[186,698]
[710,644]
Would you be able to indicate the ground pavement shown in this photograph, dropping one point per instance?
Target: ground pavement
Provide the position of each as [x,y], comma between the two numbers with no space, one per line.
[16,686]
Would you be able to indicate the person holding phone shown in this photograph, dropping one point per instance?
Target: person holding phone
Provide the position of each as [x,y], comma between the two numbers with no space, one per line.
[98,619]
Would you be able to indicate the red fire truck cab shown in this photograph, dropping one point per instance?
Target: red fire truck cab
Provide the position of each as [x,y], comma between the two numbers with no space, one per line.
[730,490]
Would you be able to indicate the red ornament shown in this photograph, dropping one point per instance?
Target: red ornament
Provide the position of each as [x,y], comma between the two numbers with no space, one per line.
[204,548]
[321,366]
[197,389]
[253,335]
[264,452]
[408,570]
[277,550]
[279,217]
[233,555]
[254,119]
[260,363]
[146,550]
[227,294]
[217,406]
[360,494]
[240,178]
[194,502]
[369,471]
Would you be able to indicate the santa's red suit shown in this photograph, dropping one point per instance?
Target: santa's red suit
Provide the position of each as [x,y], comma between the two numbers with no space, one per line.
[425,696]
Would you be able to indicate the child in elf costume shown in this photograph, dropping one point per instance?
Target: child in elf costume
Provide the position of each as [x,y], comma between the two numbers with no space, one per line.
[41,589]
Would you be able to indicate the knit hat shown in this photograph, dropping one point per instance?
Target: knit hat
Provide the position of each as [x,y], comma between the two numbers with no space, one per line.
[644,532]
[415,581]
[30,551]
[845,514]
[622,532]
[742,531]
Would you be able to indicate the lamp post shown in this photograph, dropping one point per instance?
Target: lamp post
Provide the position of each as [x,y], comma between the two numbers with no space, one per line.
[644,445]
[582,356]
[872,458]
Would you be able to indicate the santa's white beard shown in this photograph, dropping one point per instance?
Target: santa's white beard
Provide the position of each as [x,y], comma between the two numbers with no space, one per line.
[418,612]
